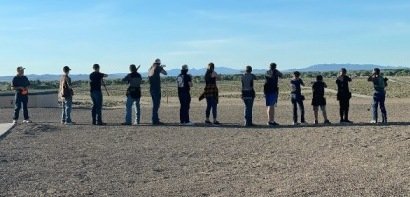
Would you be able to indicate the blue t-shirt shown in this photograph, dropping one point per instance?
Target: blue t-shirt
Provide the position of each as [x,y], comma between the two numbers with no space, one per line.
[20,81]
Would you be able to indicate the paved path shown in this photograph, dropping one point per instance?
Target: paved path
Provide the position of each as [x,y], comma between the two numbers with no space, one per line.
[4,128]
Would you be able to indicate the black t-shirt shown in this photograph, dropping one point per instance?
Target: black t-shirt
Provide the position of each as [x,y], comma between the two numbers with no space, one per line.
[134,79]
[343,85]
[95,81]
[155,79]
[295,86]
[319,89]
[183,83]
[20,81]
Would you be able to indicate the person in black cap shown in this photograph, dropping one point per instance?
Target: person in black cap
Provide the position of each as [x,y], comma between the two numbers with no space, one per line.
[184,82]
[20,84]
[96,80]
[134,80]
[66,94]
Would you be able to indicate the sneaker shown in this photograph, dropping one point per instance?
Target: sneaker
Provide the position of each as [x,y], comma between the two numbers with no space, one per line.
[157,123]
[189,124]
[295,123]
[136,123]
[327,122]
[273,124]
[208,122]
[348,122]
[373,122]
[14,121]
[216,122]
[304,123]
[27,121]
[101,123]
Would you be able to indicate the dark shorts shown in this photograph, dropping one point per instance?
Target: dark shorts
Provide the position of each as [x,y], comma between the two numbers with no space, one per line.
[271,99]
[318,101]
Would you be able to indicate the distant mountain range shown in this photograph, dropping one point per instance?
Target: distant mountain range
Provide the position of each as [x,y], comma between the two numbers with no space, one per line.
[336,67]
[220,70]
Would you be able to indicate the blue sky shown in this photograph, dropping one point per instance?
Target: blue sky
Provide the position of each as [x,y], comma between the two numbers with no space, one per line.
[45,35]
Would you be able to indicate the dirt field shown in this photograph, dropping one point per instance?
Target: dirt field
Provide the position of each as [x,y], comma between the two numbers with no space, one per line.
[48,159]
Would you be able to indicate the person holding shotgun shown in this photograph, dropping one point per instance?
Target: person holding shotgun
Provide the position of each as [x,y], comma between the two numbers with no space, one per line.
[134,80]
[96,80]
[271,91]
[379,95]
[154,77]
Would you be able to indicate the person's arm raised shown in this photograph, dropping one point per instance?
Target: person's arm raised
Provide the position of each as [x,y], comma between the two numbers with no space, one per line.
[164,72]
[280,75]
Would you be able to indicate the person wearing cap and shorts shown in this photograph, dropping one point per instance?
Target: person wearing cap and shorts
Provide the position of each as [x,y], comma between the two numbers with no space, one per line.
[184,82]
[248,94]
[66,94]
[20,84]
[96,80]
[154,77]
[134,80]
[271,91]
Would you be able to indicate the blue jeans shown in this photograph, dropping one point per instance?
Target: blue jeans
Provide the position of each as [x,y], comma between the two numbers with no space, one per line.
[185,101]
[156,103]
[97,98]
[211,103]
[378,99]
[130,103]
[66,110]
[20,100]
[297,100]
[248,110]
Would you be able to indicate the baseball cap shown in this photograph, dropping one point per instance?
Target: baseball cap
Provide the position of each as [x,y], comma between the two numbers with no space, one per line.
[96,66]
[20,68]
[248,69]
[157,61]
[66,68]
[184,67]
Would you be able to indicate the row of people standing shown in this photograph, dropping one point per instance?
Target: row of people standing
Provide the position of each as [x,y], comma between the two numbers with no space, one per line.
[184,82]
[319,101]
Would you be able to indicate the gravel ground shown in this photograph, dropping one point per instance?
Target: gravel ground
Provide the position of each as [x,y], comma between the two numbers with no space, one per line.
[48,159]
